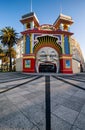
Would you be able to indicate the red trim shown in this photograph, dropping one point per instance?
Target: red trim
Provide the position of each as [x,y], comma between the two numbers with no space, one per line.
[63,68]
[46,32]
[31,69]
[67,55]
[66,72]
[32,54]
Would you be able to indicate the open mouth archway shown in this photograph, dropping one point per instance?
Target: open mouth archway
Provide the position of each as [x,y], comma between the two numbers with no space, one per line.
[47,60]
[47,67]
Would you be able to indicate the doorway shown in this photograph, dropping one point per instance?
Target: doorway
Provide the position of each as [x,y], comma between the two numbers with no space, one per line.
[47,67]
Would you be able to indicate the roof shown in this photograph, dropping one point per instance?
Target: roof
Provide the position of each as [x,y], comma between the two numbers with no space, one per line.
[63,19]
[29,16]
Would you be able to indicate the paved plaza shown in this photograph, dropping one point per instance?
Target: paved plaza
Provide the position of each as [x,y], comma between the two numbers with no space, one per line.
[23,107]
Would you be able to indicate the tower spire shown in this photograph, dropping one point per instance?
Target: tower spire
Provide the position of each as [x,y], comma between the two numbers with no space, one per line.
[61,8]
[31,6]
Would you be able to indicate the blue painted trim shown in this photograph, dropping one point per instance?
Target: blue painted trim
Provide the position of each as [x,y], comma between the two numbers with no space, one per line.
[27,45]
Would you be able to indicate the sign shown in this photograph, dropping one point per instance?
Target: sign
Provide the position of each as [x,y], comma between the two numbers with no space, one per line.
[27,63]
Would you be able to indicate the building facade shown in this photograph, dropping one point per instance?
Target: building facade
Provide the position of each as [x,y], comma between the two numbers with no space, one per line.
[77,56]
[46,48]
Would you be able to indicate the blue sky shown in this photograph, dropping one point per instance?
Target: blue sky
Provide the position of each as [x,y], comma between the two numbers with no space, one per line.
[47,12]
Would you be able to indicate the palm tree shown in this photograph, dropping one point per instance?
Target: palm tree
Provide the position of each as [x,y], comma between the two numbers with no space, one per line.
[1,51]
[1,56]
[13,55]
[8,37]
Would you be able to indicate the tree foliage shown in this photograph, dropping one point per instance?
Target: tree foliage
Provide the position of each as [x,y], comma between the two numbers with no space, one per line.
[8,37]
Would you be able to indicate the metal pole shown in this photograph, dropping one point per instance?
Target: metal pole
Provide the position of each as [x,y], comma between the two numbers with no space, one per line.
[47,103]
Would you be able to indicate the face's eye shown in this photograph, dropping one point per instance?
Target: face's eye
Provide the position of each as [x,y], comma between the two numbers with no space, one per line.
[43,55]
[53,55]
[42,52]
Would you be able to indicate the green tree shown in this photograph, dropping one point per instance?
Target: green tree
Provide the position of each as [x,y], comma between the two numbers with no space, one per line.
[8,37]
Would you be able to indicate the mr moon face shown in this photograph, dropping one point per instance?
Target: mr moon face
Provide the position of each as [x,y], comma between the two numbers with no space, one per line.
[47,55]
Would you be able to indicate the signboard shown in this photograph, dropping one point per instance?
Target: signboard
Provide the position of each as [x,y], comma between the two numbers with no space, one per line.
[27,64]
[67,63]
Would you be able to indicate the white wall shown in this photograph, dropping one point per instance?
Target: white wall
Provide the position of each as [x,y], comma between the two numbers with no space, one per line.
[75,66]
[19,64]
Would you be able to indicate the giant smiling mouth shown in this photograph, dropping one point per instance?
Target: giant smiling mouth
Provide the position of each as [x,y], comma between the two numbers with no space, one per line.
[47,67]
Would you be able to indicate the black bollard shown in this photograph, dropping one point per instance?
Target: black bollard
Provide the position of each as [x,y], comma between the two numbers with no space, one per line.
[47,103]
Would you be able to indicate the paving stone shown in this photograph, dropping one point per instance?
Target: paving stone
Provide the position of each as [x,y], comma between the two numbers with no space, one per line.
[74,105]
[64,95]
[16,99]
[59,124]
[57,100]
[75,128]
[2,86]
[38,100]
[30,96]
[2,96]
[66,114]
[80,94]
[57,82]
[41,125]
[24,104]
[80,122]
[60,92]
[69,89]
[23,93]
[37,97]
[13,95]
[77,99]
[35,108]
[37,117]
[14,91]
[83,109]
[35,128]
[5,107]
[15,120]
